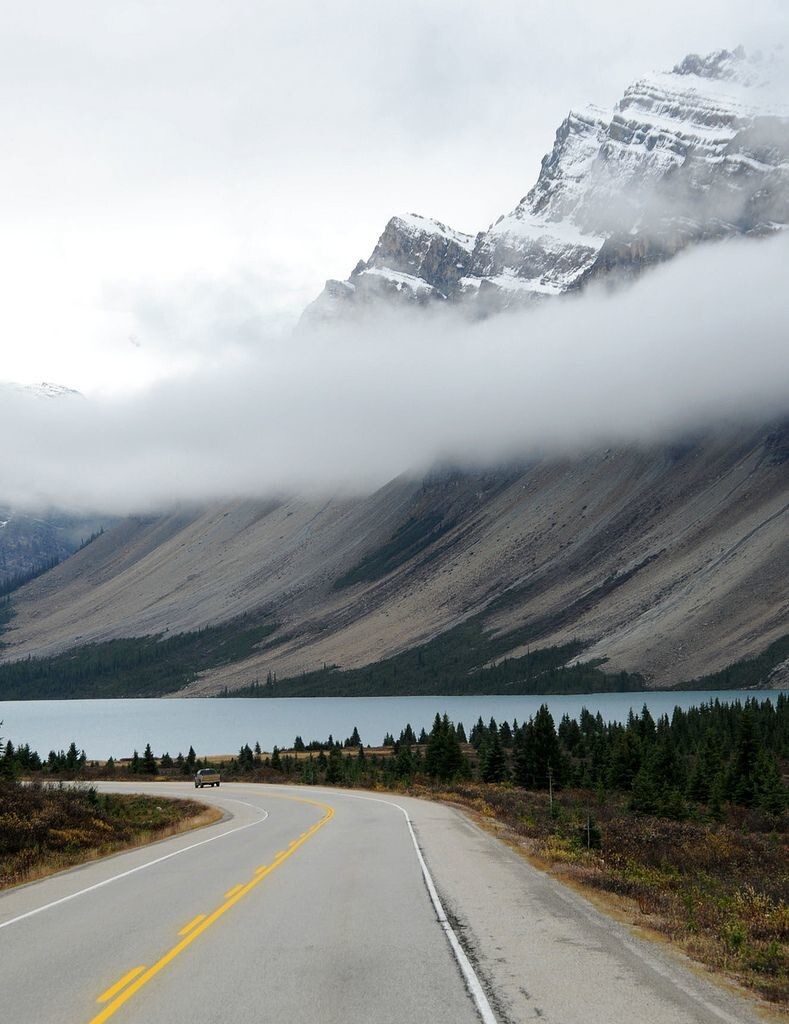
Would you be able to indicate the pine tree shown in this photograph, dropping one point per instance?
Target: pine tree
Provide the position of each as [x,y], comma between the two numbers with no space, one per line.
[523,756]
[334,771]
[771,792]
[625,760]
[745,785]
[547,756]
[276,761]
[148,766]
[443,757]
[493,760]
[404,761]
[645,795]
[706,769]
[7,762]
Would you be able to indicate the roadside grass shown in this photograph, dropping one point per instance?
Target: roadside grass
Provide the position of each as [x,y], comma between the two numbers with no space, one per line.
[717,890]
[47,828]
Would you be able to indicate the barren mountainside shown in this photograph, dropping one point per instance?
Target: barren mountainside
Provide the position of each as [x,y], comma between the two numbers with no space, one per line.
[669,561]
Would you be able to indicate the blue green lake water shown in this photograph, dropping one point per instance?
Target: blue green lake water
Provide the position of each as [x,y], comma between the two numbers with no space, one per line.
[116,727]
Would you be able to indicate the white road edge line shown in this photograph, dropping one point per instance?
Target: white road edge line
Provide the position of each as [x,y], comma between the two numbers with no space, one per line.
[472,979]
[566,896]
[470,976]
[140,867]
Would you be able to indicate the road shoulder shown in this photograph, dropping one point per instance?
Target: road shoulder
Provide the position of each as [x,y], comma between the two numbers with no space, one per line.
[546,952]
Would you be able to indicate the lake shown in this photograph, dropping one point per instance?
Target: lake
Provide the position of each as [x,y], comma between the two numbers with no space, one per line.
[220,726]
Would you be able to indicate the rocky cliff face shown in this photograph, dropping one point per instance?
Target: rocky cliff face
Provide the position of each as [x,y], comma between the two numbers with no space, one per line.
[697,153]
[416,260]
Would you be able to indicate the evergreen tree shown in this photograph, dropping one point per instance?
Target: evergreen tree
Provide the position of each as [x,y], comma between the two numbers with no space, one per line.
[771,792]
[334,770]
[523,756]
[547,756]
[404,761]
[443,757]
[72,758]
[706,769]
[744,785]
[625,760]
[7,762]
[493,760]
[477,734]
[148,766]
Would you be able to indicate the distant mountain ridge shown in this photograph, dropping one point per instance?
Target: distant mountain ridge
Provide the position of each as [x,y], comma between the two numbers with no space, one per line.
[43,390]
[31,539]
[697,153]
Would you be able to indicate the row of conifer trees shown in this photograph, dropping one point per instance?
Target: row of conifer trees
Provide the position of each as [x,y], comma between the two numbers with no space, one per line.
[707,756]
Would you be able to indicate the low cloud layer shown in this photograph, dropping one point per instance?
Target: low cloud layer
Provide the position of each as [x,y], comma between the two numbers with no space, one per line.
[697,342]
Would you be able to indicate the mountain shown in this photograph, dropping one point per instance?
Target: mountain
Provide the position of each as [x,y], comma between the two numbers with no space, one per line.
[33,539]
[666,560]
[660,563]
[694,154]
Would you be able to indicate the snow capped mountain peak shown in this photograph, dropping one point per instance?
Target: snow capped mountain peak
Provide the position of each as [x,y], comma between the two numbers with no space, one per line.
[42,390]
[416,224]
[698,152]
[750,70]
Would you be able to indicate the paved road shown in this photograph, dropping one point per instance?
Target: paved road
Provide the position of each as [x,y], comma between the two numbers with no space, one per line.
[313,904]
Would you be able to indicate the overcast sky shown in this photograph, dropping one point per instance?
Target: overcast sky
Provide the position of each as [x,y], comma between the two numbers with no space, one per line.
[182,176]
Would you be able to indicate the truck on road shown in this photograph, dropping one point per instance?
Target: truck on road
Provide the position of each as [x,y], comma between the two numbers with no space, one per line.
[206,777]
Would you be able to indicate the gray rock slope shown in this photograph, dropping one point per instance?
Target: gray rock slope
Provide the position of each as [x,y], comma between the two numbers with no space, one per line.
[670,561]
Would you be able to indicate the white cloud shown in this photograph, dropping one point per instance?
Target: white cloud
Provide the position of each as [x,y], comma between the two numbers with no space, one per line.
[700,341]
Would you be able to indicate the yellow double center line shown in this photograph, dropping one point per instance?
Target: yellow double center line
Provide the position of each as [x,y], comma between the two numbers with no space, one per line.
[203,925]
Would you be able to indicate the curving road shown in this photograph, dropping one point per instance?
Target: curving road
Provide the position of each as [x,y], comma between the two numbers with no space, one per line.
[317,904]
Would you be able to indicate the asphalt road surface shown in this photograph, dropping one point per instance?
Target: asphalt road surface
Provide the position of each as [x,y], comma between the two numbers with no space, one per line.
[317,905]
